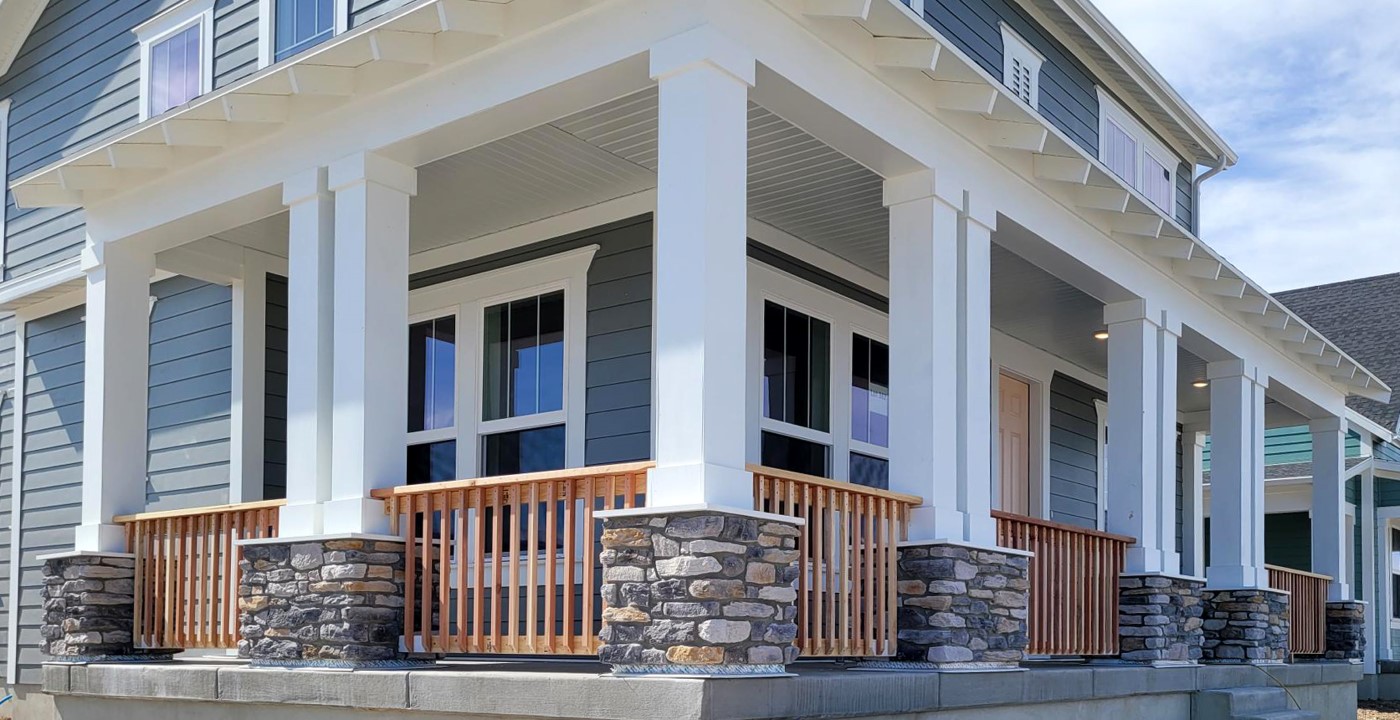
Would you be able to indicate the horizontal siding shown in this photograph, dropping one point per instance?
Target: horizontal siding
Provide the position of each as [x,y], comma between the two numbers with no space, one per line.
[1292,445]
[235,40]
[1185,198]
[275,410]
[7,374]
[190,380]
[362,11]
[1067,95]
[1074,460]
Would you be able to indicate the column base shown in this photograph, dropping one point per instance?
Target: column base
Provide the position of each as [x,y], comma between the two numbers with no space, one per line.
[962,607]
[1247,626]
[324,602]
[1346,631]
[1160,619]
[698,593]
[89,607]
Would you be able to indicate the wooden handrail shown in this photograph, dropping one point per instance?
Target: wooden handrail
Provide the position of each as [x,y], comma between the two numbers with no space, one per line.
[519,479]
[1076,529]
[913,500]
[1296,571]
[192,512]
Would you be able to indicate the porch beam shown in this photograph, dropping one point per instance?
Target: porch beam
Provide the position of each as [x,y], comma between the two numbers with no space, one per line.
[1098,197]
[1236,476]
[837,9]
[1060,168]
[1015,135]
[907,53]
[976,98]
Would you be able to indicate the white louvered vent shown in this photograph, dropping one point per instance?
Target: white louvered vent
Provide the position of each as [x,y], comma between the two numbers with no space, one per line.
[1021,67]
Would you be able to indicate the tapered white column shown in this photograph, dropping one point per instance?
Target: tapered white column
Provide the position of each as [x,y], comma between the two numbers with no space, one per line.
[1236,476]
[701,271]
[248,384]
[116,361]
[1330,536]
[1193,539]
[1370,573]
[369,430]
[310,313]
[940,359]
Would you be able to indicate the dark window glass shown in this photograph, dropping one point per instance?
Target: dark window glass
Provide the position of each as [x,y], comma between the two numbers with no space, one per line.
[796,368]
[302,24]
[789,453]
[870,391]
[524,363]
[432,462]
[432,363]
[870,471]
[523,451]
[1395,573]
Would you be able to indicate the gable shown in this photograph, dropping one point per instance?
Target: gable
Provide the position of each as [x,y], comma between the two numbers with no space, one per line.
[17,18]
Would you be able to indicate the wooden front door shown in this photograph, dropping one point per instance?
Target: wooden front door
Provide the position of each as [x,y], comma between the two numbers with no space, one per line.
[1014,436]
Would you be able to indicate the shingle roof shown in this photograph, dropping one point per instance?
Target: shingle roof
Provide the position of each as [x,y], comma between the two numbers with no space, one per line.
[1363,318]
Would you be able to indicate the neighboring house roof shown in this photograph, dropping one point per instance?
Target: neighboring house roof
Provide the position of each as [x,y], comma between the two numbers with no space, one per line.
[17,18]
[1363,318]
[1283,471]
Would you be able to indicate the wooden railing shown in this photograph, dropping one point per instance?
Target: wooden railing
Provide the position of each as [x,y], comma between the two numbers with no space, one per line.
[1307,630]
[1074,584]
[508,565]
[847,565]
[186,584]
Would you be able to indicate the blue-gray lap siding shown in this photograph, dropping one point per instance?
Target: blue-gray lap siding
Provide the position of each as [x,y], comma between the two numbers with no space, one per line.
[75,81]
[1185,197]
[1074,452]
[7,375]
[618,407]
[362,11]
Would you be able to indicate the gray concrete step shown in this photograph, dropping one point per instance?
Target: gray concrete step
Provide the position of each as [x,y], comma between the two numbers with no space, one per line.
[1283,715]
[1239,703]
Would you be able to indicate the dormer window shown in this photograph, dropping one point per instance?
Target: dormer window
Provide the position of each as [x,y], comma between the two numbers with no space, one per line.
[176,66]
[1135,155]
[1021,67]
[301,24]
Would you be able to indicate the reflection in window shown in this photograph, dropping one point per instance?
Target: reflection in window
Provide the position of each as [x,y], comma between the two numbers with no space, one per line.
[524,451]
[524,363]
[432,365]
[870,391]
[870,471]
[796,368]
[175,70]
[800,456]
[302,24]
[1395,573]
[432,462]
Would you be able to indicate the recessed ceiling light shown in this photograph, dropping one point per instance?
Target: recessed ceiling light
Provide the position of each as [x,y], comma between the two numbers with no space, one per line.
[1200,384]
[1101,335]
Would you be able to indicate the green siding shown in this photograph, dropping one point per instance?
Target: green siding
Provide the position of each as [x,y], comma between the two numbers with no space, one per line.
[1291,445]
[1287,540]
[1387,492]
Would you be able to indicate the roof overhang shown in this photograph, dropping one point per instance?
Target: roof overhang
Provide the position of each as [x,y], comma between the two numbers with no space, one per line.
[17,19]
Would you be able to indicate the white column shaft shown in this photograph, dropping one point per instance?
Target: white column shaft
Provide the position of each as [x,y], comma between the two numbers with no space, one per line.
[1236,478]
[1330,536]
[1193,541]
[1168,335]
[1135,432]
[116,361]
[248,384]
[976,427]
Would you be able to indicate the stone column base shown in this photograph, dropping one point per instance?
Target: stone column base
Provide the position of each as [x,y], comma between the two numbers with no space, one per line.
[1245,626]
[1346,631]
[334,601]
[89,606]
[698,592]
[962,607]
[1159,618]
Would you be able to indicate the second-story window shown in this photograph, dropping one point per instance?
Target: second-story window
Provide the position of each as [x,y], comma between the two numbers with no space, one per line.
[301,24]
[1020,66]
[175,66]
[1132,153]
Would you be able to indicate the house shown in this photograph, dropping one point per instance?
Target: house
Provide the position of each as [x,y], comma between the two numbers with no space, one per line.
[719,339]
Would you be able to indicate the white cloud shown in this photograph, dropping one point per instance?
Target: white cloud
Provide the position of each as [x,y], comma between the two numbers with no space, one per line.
[1308,94]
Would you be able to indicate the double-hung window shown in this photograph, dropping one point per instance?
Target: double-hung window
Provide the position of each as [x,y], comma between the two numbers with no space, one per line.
[1395,573]
[522,421]
[796,391]
[870,412]
[176,66]
[1135,155]
[300,24]
[432,399]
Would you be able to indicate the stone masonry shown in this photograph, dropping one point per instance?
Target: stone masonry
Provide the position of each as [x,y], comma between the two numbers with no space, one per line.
[1346,630]
[332,602]
[1159,618]
[700,593]
[962,606]
[1248,626]
[89,602]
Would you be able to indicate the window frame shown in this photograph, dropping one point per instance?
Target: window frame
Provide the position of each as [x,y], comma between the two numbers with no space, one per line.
[166,25]
[267,29]
[1015,48]
[468,298]
[4,177]
[846,317]
[1110,110]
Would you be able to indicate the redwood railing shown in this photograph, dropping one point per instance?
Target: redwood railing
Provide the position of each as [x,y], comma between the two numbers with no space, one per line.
[1074,584]
[847,560]
[186,585]
[1307,629]
[508,565]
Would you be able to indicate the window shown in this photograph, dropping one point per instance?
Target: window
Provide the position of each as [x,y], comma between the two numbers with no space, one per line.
[523,383]
[4,170]
[796,368]
[1132,153]
[870,412]
[175,63]
[301,24]
[1020,67]
[1395,573]
[432,384]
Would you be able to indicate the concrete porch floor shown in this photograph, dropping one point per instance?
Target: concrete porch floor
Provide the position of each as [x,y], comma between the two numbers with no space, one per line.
[582,691]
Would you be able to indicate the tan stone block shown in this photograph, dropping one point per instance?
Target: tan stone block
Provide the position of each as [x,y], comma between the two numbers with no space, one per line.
[381,586]
[345,545]
[625,615]
[912,587]
[380,571]
[257,603]
[689,655]
[761,573]
[626,537]
[936,603]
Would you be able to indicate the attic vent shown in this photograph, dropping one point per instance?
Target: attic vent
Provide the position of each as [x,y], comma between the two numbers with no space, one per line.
[1021,67]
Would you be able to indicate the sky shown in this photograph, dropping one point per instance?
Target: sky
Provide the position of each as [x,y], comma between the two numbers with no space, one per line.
[1307,92]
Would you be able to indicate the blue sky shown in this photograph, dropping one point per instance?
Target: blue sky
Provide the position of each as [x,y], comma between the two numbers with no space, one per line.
[1307,92]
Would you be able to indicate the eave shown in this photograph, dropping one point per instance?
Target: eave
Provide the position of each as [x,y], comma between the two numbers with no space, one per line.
[17,19]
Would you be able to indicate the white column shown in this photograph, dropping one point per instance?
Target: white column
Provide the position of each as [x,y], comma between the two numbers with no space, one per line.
[116,362]
[1236,476]
[701,271]
[1370,574]
[1142,433]
[1193,537]
[310,313]
[940,340]
[248,384]
[1330,536]
[369,428]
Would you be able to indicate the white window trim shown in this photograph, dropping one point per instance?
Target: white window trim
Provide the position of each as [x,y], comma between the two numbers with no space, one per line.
[468,299]
[267,27]
[1101,445]
[1015,47]
[846,317]
[177,19]
[1147,144]
[4,175]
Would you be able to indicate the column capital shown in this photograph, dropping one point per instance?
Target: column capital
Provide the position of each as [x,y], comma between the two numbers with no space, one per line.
[700,47]
[1140,309]
[1233,368]
[1331,423]
[306,185]
[371,167]
[97,254]
[923,185]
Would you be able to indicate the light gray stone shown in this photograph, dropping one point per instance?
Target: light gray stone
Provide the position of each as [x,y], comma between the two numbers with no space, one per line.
[724,632]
